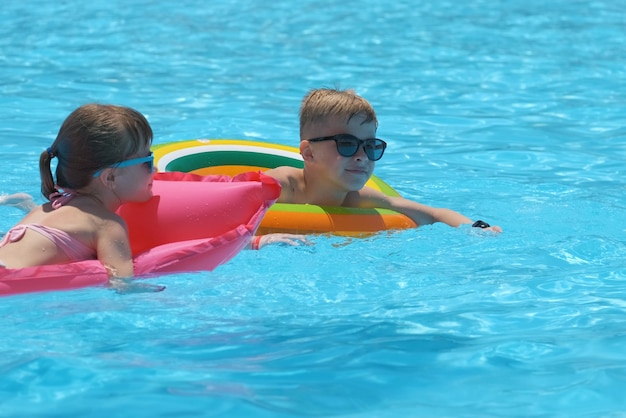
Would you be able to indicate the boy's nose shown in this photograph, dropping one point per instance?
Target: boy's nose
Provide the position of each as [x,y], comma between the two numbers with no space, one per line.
[360,152]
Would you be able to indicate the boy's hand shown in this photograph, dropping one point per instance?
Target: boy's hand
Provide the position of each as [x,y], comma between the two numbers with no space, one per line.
[289,239]
[486,226]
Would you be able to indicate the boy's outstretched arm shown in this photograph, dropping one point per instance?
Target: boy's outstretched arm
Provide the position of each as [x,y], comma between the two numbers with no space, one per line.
[419,213]
[426,215]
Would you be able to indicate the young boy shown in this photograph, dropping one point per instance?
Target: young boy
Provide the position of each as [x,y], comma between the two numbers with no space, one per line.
[339,147]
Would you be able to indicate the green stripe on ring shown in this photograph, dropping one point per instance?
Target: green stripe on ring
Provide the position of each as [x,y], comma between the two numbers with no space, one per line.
[201,160]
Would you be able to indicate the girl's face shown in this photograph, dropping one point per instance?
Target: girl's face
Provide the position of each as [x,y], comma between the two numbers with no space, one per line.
[134,181]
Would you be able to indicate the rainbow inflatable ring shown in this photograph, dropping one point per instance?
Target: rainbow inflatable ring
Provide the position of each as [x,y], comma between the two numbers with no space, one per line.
[192,223]
[232,157]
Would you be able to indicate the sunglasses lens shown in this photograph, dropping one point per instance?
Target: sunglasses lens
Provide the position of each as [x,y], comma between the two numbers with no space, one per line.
[148,162]
[347,146]
[374,148]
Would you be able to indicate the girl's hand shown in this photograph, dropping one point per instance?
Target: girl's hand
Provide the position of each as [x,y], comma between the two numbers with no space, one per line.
[21,201]
[129,285]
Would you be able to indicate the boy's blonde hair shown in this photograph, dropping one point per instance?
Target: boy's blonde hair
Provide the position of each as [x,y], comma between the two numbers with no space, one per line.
[320,104]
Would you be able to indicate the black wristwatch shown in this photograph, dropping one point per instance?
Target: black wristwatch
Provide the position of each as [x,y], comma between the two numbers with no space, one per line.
[480,224]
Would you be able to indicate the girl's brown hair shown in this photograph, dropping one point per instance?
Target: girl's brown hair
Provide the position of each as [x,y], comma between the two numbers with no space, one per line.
[93,137]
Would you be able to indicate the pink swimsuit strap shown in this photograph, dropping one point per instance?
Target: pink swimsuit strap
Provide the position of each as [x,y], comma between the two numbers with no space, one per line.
[73,248]
[59,199]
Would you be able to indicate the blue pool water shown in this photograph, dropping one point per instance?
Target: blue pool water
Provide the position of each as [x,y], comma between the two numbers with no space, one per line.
[509,112]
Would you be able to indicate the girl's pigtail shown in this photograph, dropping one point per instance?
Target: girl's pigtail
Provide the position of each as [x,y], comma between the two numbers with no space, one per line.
[45,171]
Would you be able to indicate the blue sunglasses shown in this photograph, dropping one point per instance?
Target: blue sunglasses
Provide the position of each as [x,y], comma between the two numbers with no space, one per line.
[148,161]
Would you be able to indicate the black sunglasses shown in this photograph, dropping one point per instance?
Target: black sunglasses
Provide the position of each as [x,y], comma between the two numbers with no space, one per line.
[348,145]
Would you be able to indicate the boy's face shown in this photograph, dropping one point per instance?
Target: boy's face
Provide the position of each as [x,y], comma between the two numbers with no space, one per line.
[324,161]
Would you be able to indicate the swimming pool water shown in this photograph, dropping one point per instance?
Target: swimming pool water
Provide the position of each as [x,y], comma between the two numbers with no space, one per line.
[510,113]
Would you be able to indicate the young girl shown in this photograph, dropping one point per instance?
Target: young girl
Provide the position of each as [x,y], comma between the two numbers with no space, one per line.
[103,159]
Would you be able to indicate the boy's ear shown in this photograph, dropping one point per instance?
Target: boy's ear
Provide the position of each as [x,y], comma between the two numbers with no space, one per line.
[306,151]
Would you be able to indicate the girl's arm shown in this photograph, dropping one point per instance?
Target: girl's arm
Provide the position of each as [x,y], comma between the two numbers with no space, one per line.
[113,248]
[114,252]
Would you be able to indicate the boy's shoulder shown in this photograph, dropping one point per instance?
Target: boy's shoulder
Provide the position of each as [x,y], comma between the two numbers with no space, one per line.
[285,173]
[291,180]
